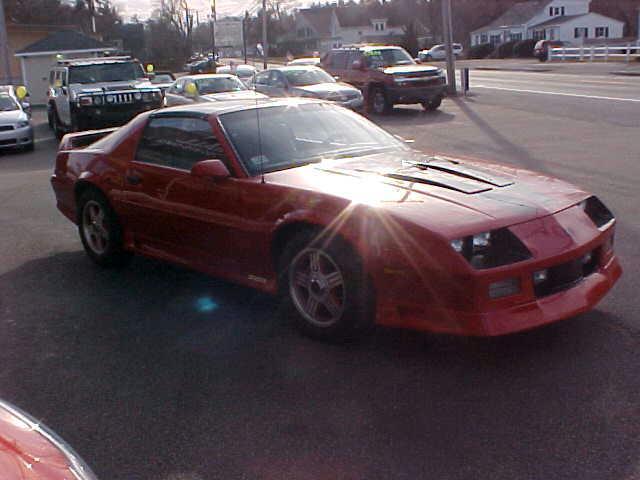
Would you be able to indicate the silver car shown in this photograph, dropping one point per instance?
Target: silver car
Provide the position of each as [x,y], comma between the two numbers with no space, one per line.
[213,87]
[307,81]
[16,130]
[243,72]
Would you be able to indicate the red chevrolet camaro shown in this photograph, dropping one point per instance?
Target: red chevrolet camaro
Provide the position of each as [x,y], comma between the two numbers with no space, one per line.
[348,223]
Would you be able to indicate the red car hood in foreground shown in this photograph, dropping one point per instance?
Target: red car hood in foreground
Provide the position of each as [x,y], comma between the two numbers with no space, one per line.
[29,451]
[445,195]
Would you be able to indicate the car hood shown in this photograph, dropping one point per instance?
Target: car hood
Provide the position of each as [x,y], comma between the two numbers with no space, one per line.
[239,95]
[102,87]
[30,451]
[411,70]
[322,89]
[449,196]
[14,116]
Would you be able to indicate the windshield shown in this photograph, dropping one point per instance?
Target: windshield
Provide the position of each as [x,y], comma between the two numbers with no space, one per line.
[106,72]
[210,85]
[162,78]
[8,104]
[308,76]
[387,57]
[292,136]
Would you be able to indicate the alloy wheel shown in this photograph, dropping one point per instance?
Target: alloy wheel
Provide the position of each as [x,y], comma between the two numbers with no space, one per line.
[93,227]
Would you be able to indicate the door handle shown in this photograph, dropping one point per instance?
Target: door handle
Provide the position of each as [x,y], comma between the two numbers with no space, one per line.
[133,179]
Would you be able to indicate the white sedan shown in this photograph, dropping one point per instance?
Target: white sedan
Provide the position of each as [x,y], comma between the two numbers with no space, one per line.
[439,52]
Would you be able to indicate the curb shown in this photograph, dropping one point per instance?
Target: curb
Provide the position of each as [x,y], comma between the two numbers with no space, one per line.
[626,74]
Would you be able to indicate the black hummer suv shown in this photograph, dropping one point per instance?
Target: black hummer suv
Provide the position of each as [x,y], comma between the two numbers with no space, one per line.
[98,92]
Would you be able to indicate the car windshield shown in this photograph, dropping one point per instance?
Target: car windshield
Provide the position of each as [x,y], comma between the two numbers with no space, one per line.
[106,72]
[387,57]
[292,136]
[8,104]
[162,78]
[211,85]
[307,76]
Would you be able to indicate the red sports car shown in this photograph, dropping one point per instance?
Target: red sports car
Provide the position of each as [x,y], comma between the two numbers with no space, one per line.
[30,451]
[349,224]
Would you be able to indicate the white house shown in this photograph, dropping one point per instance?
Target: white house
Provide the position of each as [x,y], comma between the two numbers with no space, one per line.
[324,28]
[567,20]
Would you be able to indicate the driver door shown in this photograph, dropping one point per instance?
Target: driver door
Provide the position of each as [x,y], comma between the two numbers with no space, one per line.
[171,213]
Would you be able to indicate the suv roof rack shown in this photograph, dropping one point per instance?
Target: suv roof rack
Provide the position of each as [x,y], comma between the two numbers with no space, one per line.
[69,61]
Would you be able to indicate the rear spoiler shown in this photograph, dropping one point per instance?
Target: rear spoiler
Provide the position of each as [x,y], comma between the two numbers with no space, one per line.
[72,141]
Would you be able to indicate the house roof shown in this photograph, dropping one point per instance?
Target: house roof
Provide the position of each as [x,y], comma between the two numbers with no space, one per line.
[319,19]
[351,16]
[64,40]
[518,14]
[559,20]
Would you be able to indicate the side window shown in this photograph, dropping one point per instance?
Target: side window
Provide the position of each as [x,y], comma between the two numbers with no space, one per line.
[352,57]
[339,60]
[262,78]
[277,79]
[178,142]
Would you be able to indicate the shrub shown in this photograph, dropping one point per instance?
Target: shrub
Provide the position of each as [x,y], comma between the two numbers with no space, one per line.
[524,48]
[480,51]
[504,50]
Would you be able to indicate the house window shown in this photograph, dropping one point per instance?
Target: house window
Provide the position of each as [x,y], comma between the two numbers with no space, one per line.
[602,32]
[515,37]
[495,39]
[581,32]
[539,35]
[484,38]
[551,11]
[555,11]
[562,11]
[552,34]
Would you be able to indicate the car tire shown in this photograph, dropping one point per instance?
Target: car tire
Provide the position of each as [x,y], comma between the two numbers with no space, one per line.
[50,116]
[432,104]
[100,230]
[379,103]
[30,147]
[325,288]
[56,125]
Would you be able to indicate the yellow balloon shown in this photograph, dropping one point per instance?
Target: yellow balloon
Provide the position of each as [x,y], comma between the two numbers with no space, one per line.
[149,68]
[191,89]
[21,92]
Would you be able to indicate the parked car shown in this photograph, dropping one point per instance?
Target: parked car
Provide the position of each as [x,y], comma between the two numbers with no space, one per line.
[31,451]
[387,76]
[541,49]
[314,61]
[16,130]
[306,198]
[213,87]
[439,52]
[91,93]
[307,81]
[243,72]
[20,93]
[205,65]
[162,80]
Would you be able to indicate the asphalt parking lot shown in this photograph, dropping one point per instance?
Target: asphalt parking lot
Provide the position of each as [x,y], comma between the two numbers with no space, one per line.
[157,373]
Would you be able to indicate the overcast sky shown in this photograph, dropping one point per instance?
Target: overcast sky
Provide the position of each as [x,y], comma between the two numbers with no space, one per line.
[143,8]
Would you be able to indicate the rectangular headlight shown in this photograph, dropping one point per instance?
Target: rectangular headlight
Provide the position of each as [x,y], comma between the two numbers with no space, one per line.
[597,211]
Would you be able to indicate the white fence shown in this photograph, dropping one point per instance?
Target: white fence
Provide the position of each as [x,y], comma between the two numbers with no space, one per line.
[590,53]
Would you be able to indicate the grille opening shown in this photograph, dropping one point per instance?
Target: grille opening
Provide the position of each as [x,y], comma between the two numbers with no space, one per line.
[564,276]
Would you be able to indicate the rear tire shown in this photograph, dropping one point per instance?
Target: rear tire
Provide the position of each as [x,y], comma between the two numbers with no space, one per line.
[100,230]
[325,288]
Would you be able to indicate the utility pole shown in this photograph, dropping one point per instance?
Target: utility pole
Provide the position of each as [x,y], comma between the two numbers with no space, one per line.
[265,47]
[92,14]
[244,35]
[448,41]
[213,34]
[4,47]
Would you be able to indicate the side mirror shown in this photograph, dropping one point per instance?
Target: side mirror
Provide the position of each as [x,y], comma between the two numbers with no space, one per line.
[191,90]
[26,106]
[211,169]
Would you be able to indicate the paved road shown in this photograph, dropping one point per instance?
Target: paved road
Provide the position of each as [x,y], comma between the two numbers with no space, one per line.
[156,373]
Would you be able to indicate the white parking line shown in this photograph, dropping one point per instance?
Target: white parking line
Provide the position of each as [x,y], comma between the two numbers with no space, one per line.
[595,97]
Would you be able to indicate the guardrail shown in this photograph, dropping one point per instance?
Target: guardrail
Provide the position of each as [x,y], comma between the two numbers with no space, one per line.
[591,53]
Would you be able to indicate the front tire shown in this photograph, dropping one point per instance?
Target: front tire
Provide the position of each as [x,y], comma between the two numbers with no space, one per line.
[100,230]
[325,288]
[379,103]
[432,104]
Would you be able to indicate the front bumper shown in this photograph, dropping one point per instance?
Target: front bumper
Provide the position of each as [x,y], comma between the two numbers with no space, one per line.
[352,104]
[20,137]
[461,304]
[400,94]
[111,115]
